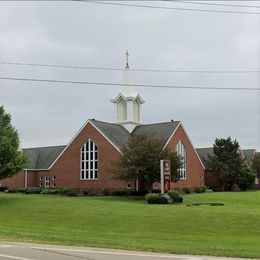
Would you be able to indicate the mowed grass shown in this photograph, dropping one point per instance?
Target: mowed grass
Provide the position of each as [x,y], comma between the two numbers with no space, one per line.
[229,230]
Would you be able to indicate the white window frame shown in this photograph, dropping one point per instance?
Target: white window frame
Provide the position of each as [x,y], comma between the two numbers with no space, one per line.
[47,181]
[89,161]
[181,151]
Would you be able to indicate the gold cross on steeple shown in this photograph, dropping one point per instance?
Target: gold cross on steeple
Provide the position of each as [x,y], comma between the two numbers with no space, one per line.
[127,65]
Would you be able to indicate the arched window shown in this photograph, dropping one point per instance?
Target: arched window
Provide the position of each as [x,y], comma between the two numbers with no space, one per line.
[89,161]
[181,151]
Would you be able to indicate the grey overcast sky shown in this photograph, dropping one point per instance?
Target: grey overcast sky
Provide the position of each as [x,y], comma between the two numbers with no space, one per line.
[97,35]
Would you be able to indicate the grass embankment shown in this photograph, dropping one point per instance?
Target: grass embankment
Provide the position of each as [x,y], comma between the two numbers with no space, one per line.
[230,230]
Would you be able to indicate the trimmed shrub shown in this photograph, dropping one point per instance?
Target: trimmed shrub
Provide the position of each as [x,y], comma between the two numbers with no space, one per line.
[137,192]
[3,189]
[36,190]
[27,191]
[92,193]
[175,196]
[186,190]
[201,189]
[11,190]
[45,191]
[71,193]
[64,190]
[119,193]
[155,198]
[105,191]
[54,191]
[85,191]
[156,191]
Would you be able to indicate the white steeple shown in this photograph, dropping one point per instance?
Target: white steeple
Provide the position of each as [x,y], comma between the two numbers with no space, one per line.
[128,102]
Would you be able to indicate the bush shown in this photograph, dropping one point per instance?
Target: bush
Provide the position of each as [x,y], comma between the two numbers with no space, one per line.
[71,193]
[64,190]
[246,179]
[85,191]
[200,189]
[155,198]
[27,191]
[3,189]
[54,191]
[137,192]
[186,190]
[119,193]
[175,196]
[11,190]
[36,190]
[156,191]
[45,191]
[105,191]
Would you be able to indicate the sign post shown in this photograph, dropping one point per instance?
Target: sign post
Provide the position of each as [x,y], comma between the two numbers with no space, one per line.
[165,176]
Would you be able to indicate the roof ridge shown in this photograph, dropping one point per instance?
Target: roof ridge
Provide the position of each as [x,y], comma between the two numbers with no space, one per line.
[169,122]
[39,147]
[116,124]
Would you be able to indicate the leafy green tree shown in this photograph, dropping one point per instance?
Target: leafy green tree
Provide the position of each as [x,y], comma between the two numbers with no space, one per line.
[11,159]
[227,162]
[140,161]
[256,164]
[246,179]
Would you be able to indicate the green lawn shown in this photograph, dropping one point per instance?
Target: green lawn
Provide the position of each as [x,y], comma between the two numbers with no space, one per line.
[230,230]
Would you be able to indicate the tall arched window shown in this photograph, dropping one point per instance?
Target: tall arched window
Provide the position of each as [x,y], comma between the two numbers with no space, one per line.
[181,151]
[89,161]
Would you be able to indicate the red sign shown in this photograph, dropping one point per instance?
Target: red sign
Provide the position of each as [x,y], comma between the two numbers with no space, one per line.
[165,176]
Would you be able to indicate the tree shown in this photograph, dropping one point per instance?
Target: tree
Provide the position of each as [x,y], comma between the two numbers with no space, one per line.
[246,179]
[256,164]
[227,162]
[140,161]
[11,159]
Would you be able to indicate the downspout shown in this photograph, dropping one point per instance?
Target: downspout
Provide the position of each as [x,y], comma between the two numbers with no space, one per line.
[25,178]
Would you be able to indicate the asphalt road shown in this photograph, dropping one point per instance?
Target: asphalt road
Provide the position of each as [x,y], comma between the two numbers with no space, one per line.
[24,251]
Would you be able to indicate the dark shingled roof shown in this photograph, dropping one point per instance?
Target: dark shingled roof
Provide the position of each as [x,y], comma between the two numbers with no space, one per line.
[161,131]
[204,155]
[249,154]
[43,157]
[117,134]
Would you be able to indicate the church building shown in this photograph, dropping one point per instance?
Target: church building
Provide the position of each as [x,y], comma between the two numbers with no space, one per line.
[86,161]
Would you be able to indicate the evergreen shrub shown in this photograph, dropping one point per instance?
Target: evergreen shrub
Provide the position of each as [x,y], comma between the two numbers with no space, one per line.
[155,198]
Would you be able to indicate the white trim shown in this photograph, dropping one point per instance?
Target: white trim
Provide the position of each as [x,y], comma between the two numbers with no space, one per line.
[25,178]
[75,136]
[37,169]
[172,135]
[106,137]
[89,160]
[180,124]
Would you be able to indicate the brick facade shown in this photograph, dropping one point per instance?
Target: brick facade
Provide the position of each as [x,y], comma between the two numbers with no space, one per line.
[65,172]
[194,168]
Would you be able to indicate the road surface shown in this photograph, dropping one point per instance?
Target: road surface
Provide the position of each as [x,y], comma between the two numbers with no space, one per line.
[25,251]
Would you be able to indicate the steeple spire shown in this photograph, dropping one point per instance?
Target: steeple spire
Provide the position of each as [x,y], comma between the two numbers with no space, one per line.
[128,102]
[127,65]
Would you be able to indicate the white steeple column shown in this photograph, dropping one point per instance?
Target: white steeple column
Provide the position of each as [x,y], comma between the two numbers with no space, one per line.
[128,102]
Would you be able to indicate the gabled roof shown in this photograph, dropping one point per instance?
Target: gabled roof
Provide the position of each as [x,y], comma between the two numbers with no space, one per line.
[249,155]
[41,158]
[204,154]
[116,133]
[162,131]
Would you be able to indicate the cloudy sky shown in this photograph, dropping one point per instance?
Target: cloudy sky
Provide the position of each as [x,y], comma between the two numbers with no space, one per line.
[80,33]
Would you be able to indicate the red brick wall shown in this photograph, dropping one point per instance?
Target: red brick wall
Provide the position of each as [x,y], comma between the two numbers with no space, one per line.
[15,181]
[194,169]
[67,168]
